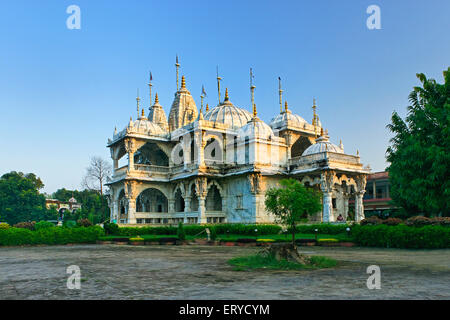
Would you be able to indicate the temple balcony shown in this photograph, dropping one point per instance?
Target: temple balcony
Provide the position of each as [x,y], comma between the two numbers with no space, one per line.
[326,159]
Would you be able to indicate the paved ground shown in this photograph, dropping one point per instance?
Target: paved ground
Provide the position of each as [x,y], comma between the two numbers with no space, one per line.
[201,272]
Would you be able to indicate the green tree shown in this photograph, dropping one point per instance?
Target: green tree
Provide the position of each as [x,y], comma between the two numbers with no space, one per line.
[93,205]
[291,203]
[419,154]
[20,199]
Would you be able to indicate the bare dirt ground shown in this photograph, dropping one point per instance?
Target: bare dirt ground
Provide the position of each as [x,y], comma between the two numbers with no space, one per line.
[202,272]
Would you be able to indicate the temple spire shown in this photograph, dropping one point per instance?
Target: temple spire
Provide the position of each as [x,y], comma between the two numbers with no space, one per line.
[150,89]
[252,87]
[177,65]
[137,103]
[218,82]
[156,98]
[280,93]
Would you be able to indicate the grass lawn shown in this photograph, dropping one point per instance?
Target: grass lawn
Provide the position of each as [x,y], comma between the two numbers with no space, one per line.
[269,262]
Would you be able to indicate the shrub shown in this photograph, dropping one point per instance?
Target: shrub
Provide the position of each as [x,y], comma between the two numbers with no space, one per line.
[392,221]
[442,221]
[165,240]
[372,221]
[111,228]
[84,223]
[43,225]
[247,229]
[23,236]
[402,236]
[322,228]
[4,226]
[25,225]
[180,232]
[70,224]
[213,233]
[138,238]
[418,221]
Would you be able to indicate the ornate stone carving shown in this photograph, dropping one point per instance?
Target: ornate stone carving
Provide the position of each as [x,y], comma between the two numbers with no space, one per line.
[201,187]
[255,180]
[326,181]
[361,181]
[130,190]
[130,145]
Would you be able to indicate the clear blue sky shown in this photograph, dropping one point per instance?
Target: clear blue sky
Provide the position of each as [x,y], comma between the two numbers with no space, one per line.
[63,91]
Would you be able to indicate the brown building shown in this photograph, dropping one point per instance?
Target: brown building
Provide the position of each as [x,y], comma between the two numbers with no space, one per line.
[377,196]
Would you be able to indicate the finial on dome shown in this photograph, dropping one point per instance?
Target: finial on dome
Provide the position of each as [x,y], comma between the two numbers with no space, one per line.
[254,111]
[207,107]
[130,124]
[183,82]
[137,102]
[280,93]
[143,113]
[200,115]
[226,94]
[321,132]
[156,98]
[177,65]
[285,106]
[357,152]
[115,130]
[341,145]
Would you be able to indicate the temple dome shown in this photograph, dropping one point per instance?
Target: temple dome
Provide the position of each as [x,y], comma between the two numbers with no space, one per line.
[228,113]
[322,145]
[287,118]
[256,128]
[144,126]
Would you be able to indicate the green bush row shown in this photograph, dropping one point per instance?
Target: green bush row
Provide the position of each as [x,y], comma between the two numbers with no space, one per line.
[401,236]
[244,229]
[323,228]
[53,235]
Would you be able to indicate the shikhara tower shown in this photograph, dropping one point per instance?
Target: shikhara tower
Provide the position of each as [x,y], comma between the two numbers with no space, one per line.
[215,167]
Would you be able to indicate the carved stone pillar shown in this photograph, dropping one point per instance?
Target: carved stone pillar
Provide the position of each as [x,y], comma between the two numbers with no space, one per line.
[131,194]
[201,190]
[359,206]
[171,208]
[346,198]
[130,147]
[201,149]
[326,185]
[187,207]
[360,190]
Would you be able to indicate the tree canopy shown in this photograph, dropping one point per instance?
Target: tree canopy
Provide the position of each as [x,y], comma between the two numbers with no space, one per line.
[20,199]
[419,154]
[292,202]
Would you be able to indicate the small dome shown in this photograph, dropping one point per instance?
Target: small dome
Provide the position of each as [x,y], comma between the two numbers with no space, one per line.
[73,200]
[144,126]
[322,145]
[229,114]
[287,118]
[256,128]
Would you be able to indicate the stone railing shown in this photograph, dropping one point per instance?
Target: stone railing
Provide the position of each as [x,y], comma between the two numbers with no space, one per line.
[151,168]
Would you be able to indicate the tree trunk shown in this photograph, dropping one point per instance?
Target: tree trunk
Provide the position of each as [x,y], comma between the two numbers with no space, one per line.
[286,252]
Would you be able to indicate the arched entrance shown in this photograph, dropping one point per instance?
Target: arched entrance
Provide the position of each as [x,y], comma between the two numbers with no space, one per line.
[179,201]
[151,200]
[299,147]
[213,199]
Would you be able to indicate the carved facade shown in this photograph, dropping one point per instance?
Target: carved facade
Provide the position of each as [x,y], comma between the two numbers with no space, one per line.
[215,167]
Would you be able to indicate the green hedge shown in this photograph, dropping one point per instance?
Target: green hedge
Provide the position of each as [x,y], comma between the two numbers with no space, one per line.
[244,229]
[323,228]
[53,235]
[401,236]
